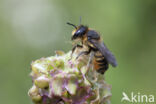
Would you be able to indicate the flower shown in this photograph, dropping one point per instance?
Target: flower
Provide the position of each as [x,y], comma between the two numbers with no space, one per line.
[61,79]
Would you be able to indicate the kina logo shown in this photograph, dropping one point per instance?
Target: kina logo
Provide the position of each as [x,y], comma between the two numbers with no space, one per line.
[137,98]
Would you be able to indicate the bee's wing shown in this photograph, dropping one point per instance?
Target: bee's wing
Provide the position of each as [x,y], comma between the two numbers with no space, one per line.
[105,52]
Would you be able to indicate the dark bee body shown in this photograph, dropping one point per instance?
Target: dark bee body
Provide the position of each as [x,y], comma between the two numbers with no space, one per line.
[92,40]
[100,63]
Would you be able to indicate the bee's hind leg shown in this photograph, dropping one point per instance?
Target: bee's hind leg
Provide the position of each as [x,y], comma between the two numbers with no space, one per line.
[90,66]
[90,60]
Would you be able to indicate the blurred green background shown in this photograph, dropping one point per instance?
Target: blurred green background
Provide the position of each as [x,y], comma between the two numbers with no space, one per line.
[31,29]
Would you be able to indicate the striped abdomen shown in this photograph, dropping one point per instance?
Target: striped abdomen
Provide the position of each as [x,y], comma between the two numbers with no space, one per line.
[100,63]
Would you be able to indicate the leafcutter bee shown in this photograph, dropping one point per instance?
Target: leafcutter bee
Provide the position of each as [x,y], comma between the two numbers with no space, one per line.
[91,39]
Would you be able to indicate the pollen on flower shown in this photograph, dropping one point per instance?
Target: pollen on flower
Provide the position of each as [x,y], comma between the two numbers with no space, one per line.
[61,80]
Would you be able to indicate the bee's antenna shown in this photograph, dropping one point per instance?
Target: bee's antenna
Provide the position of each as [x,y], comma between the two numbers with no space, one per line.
[72,25]
[80,20]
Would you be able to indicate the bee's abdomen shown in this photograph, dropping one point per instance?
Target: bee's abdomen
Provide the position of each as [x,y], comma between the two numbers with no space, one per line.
[100,63]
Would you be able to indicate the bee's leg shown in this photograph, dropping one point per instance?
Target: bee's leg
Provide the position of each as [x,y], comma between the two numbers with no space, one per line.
[73,49]
[95,74]
[90,60]
[90,66]
[83,52]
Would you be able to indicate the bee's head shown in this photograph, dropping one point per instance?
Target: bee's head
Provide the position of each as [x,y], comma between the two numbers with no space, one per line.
[78,32]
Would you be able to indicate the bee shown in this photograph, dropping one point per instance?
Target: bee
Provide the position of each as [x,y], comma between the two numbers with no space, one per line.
[89,38]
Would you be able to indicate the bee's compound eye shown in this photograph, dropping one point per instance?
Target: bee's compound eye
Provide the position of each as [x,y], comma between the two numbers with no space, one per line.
[78,31]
